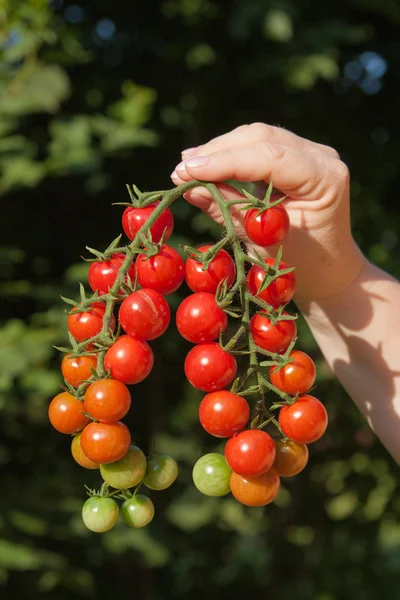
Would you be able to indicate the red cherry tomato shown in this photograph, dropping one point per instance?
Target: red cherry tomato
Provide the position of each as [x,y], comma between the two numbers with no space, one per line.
[105,442]
[199,319]
[223,414]
[279,292]
[163,272]
[145,314]
[290,458]
[305,421]
[78,369]
[274,338]
[255,491]
[250,453]
[102,275]
[129,360]
[79,456]
[107,400]
[268,227]
[134,218]
[221,268]
[209,368]
[84,325]
[297,377]
[66,413]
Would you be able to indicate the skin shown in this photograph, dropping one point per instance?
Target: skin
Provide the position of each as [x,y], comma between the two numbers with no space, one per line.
[350,305]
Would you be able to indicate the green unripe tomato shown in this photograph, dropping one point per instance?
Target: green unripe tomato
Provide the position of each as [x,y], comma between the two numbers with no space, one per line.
[211,475]
[126,472]
[162,470]
[100,514]
[137,511]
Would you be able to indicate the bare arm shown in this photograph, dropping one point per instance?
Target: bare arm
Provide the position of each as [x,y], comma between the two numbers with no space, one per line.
[358,332]
[351,306]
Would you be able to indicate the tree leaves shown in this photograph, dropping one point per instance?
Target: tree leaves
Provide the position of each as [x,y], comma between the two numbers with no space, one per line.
[35,88]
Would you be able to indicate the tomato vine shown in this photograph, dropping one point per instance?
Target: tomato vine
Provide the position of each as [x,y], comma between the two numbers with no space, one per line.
[272,445]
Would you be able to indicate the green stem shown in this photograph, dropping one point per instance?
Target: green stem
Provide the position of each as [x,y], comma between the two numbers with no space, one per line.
[233,341]
[245,296]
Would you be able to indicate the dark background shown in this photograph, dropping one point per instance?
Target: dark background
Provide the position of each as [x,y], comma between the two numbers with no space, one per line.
[99,94]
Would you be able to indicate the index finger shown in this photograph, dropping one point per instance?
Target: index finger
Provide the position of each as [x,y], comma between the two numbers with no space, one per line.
[302,175]
[246,135]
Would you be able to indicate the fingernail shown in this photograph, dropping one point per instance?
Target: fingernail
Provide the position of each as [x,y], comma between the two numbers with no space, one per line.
[189,150]
[197,161]
[180,167]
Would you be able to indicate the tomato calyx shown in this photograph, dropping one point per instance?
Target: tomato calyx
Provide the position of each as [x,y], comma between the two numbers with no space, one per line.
[79,392]
[274,314]
[272,273]
[113,248]
[105,491]
[75,351]
[262,204]
[127,494]
[207,256]
[224,298]
[141,199]
[279,360]
[150,248]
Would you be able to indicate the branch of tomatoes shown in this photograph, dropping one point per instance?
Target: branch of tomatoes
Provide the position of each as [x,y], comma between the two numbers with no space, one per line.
[107,355]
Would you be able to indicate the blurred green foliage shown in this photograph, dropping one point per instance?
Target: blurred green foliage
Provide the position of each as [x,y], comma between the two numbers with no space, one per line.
[98,94]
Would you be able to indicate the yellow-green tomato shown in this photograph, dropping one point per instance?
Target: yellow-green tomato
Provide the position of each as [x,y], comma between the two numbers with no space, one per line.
[211,475]
[162,470]
[137,511]
[100,514]
[126,472]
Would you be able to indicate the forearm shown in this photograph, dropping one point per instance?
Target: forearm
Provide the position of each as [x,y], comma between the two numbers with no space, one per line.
[358,333]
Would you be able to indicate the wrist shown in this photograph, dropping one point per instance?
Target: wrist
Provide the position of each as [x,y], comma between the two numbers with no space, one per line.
[322,271]
[342,301]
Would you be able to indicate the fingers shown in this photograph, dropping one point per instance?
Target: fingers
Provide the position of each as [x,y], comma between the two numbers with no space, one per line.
[302,175]
[246,135]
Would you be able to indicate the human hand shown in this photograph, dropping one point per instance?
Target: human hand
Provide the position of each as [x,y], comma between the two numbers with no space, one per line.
[314,179]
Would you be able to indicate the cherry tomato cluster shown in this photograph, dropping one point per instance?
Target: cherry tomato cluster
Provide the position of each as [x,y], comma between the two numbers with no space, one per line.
[110,333]
[96,400]
[253,461]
